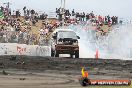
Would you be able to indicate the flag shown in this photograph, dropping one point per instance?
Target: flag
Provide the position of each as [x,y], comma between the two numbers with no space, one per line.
[84,73]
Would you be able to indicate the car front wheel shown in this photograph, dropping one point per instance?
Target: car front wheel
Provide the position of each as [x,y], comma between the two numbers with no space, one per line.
[56,54]
[52,53]
[77,54]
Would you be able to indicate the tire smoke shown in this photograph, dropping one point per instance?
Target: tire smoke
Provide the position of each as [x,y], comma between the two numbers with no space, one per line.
[116,45]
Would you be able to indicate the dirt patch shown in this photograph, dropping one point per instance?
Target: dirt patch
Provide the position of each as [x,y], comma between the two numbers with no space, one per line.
[43,72]
[63,64]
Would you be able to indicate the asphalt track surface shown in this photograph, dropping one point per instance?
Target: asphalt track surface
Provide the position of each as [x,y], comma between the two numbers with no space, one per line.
[47,72]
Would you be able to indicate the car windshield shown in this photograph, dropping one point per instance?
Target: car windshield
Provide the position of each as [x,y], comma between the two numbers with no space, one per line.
[67,34]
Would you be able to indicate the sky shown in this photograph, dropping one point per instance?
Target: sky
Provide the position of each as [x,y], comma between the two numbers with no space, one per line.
[121,8]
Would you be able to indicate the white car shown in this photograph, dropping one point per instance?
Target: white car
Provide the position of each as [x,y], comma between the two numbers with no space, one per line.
[64,41]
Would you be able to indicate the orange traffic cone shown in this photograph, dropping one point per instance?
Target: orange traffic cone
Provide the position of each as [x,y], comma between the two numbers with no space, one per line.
[97,54]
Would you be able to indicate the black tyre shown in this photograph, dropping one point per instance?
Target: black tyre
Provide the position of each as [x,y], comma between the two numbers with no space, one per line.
[56,54]
[71,55]
[77,54]
[52,53]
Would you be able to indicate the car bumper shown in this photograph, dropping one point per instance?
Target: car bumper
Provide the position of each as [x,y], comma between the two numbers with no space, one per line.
[66,49]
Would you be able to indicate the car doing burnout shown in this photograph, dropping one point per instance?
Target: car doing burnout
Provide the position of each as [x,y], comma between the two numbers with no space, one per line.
[64,41]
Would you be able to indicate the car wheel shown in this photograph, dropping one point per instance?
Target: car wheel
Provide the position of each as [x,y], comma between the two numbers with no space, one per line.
[77,54]
[56,54]
[71,55]
[52,53]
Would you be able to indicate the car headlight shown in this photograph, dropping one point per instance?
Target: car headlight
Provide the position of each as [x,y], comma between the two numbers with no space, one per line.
[59,42]
[75,43]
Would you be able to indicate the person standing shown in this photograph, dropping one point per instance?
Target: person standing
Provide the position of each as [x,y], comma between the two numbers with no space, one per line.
[83,16]
[73,12]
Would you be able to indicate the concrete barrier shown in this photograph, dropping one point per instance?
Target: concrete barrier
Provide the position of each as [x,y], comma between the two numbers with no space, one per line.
[23,49]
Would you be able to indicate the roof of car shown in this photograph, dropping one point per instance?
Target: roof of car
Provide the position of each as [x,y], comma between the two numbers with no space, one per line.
[56,30]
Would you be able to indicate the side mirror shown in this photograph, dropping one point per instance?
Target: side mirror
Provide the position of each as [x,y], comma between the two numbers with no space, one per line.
[78,37]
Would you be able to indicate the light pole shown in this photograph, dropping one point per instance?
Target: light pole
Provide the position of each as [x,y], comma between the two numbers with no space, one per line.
[63,2]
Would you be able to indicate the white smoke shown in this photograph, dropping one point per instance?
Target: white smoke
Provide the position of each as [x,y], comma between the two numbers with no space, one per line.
[120,40]
[117,45]
[87,41]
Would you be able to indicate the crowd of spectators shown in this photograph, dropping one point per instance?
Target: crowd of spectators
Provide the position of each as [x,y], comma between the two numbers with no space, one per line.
[97,21]
[77,17]
[15,28]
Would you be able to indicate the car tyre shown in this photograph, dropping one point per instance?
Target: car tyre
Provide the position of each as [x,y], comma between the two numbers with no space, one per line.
[52,53]
[77,54]
[56,54]
[71,55]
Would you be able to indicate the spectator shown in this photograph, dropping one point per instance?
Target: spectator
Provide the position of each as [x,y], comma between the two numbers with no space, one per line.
[87,17]
[83,16]
[73,12]
[24,9]
[17,14]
